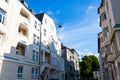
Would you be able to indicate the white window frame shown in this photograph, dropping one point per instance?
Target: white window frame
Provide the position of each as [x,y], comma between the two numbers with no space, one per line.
[35,55]
[34,39]
[3,16]
[45,33]
[20,72]
[34,72]
[35,24]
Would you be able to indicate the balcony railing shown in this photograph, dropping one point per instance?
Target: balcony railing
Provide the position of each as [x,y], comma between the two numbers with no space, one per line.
[24,20]
[22,38]
[45,47]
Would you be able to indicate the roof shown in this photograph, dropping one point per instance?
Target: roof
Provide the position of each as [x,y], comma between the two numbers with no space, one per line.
[70,49]
[40,16]
[102,3]
[117,26]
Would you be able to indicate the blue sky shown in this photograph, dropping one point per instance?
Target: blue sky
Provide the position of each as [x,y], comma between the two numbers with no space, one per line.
[79,19]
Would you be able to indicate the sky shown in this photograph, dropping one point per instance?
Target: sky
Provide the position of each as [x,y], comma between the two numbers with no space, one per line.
[79,19]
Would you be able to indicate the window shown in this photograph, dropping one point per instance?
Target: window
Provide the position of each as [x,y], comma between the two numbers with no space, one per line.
[35,55]
[35,24]
[36,39]
[45,20]
[2,16]
[106,32]
[45,32]
[34,73]
[20,49]
[20,72]
[103,16]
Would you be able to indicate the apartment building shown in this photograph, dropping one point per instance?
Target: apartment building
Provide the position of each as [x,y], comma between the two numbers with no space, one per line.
[52,63]
[28,49]
[109,39]
[72,71]
[19,41]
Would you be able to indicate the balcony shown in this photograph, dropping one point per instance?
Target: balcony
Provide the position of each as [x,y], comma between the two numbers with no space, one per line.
[45,48]
[24,17]
[35,47]
[22,38]
[107,40]
[22,34]
[24,21]
[110,58]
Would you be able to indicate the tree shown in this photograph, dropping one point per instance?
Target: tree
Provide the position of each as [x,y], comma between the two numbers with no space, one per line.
[87,66]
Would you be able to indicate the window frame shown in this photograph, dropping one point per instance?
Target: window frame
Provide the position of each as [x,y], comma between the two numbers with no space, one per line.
[103,16]
[35,55]
[2,16]
[45,32]
[20,74]
[34,73]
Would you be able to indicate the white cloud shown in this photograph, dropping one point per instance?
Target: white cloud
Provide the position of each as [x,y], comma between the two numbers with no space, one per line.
[49,12]
[82,34]
[86,53]
[90,8]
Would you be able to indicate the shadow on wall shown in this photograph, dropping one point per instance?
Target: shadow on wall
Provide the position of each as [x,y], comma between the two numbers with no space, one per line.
[20,56]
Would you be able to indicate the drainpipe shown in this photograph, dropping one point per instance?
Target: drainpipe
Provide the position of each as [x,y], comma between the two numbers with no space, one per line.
[39,78]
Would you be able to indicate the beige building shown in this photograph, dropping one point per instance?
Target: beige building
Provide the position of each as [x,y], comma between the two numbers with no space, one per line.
[109,39]
[72,71]
[22,38]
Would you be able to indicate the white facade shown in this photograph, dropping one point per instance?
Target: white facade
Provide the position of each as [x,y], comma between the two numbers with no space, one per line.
[22,37]
[52,51]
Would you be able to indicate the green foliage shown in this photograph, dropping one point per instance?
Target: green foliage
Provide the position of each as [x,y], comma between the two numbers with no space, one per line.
[88,65]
